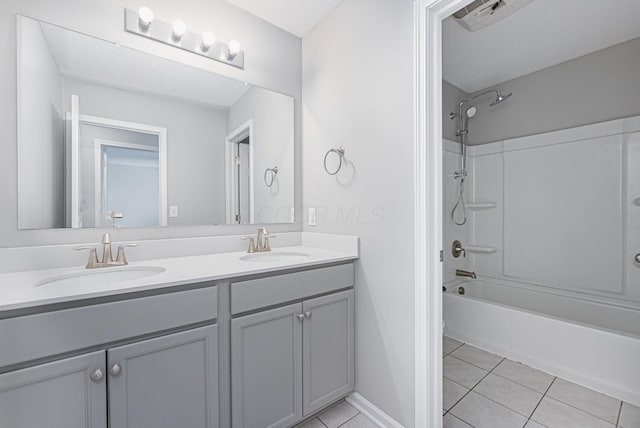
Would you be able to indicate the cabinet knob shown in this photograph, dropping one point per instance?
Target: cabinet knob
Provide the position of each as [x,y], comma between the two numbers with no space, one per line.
[307,315]
[115,370]
[638,258]
[301,317]
[97,375]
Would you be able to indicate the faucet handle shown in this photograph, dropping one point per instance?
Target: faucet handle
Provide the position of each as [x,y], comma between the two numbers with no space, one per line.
[267,244]
[252,244]
[121,258]
[93,255]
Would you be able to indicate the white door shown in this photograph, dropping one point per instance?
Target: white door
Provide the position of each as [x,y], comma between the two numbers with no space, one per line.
[129,187]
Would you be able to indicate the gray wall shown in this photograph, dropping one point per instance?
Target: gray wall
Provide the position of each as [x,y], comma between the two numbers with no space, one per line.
[273,60]
[451,97]
[601,86]
[42,128]
[358,98]
[272,146]
[195,144]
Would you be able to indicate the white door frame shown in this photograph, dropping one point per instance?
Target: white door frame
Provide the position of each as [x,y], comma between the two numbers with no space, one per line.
[428,16]
[99,180]
[238,134]
[160,132]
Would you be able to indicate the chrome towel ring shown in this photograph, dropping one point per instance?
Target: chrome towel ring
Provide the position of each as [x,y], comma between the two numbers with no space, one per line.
[340,152]
[270,175]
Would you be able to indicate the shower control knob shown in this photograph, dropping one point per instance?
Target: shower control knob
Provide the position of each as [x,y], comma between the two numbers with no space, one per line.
[638,258]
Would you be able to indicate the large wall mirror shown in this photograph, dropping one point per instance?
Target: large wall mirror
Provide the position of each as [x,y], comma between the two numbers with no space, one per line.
[110,136]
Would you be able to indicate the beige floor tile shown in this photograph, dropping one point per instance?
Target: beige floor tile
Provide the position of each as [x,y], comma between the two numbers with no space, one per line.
[555,414]
[585,399]
[477,357]
[524,375]
[338,414]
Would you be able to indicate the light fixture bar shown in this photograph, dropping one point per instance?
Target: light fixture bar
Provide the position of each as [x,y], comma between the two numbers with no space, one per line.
[190,41]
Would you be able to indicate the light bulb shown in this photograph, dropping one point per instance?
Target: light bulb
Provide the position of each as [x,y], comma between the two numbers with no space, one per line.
[179,28]
[234,48]
[145,17]
[208,40]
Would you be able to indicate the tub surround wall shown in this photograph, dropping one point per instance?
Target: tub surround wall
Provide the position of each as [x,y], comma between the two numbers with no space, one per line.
[451,232]
[565,216]
[273,60]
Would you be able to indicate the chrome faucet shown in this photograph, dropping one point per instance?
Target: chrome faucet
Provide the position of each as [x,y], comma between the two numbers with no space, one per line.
[466,274]
[261,244]
[107,255]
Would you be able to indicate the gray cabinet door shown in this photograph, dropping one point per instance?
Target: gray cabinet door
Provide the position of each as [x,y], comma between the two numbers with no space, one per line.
[266,368]
[60,394]
[166,382]
[328,349]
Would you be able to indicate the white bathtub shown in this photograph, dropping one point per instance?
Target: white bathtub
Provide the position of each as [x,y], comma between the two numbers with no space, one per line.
[593,344]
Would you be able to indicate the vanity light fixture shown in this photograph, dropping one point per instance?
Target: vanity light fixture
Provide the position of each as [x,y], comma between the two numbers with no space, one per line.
[179,28]
[176,34]
[208,40]
[145,17]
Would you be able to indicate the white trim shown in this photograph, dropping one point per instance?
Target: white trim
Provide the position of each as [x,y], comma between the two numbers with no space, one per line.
[241,132]
[19,30]
[428,16]
[371,411]
[158,131]
[111,143]
[75,162]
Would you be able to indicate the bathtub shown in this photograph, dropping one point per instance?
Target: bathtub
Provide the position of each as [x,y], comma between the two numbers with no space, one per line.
[593,344]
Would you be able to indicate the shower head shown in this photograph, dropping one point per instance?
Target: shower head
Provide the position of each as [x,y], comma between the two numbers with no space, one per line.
[500,98]
[471,111]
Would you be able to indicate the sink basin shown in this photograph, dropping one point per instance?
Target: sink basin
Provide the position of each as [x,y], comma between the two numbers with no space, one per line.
[101,276]
[275,256]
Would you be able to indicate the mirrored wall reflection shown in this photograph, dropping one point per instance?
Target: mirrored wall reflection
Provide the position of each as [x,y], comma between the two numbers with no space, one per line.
[114,137]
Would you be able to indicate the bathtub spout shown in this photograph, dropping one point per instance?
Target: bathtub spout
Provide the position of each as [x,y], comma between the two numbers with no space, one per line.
[466,274]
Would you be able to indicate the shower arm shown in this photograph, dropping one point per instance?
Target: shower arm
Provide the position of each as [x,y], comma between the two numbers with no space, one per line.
[471,98]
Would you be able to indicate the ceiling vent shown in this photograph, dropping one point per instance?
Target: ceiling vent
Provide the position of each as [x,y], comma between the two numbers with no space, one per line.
[482,13]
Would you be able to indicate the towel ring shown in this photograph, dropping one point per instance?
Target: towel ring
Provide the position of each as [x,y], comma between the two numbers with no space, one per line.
[340,152]
[274,172]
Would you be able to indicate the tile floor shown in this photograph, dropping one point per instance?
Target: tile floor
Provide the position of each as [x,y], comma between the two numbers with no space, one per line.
[484,390]
[341,414]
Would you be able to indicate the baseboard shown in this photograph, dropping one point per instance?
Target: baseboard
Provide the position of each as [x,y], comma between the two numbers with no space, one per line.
[372,412]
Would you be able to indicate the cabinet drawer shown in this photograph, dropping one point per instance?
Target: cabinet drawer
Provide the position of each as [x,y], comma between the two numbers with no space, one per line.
[39,336]
[259,293]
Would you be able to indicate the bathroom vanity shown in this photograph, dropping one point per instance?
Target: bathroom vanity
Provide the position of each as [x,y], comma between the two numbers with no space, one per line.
[210,341]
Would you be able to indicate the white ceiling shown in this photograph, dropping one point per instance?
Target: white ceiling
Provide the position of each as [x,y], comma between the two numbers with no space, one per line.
[542,34]
[98,61]
[294,16]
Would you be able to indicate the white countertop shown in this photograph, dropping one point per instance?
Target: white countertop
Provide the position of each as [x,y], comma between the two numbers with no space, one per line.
[19,290]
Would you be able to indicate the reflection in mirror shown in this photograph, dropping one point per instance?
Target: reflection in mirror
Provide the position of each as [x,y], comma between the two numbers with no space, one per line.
[113,137]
